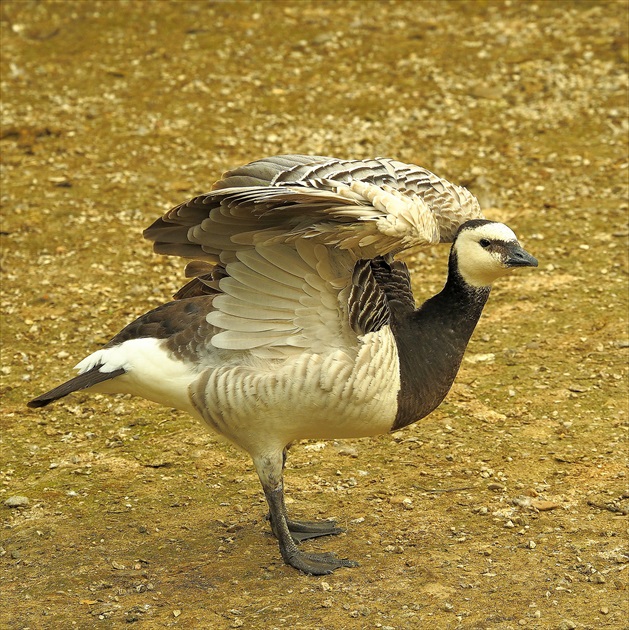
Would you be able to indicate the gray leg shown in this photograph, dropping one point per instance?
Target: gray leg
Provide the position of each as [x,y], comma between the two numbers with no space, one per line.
[305,530]
[270,474]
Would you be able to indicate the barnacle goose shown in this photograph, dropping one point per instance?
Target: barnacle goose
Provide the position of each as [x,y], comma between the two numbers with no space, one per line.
[298,321]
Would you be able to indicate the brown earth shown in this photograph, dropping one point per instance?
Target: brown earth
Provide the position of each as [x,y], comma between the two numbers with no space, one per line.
[507,507]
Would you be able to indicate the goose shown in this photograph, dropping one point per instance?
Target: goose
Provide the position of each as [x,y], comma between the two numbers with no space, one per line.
[298,321]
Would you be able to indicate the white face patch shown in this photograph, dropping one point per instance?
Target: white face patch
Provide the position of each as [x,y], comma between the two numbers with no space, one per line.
[480,266]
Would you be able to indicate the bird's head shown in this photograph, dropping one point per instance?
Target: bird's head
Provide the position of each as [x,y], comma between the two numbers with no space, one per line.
[483,251]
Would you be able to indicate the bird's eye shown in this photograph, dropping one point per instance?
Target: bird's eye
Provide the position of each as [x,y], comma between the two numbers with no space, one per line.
[484,242]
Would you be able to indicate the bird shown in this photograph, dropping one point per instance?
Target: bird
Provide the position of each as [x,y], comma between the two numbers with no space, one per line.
[298,320]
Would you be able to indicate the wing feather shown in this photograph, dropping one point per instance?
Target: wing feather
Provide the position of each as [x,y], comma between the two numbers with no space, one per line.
[285,234]
[258,311]
[369,207]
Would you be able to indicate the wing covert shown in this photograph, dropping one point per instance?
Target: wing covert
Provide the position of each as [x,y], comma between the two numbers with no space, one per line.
[368,207]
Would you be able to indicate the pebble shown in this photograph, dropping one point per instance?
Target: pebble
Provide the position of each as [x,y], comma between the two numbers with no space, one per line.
[488,357]
[543,506]
[405,502]
[347,450]
[17,501]
[496,487]
[566,624]
[537,504]
[522,501]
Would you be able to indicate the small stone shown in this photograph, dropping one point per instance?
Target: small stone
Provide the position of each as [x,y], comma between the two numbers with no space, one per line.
[176,613]
[496,487]
[543,506]
[489,357]
[347,450]
[531,544]
[522,501]
[566,624]
[604,610]
[17,501]
[405,502]
[62,182]
[598,578]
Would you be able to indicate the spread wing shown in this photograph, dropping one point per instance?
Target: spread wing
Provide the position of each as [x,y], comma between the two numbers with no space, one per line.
[369,207]
[291,237]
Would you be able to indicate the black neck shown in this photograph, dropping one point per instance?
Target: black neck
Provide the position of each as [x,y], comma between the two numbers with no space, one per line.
[431,342]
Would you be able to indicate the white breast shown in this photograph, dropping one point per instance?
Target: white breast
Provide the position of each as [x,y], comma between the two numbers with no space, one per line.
[317,396]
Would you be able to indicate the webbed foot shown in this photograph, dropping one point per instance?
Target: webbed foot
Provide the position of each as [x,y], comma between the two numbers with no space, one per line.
[305,530]
[316,563]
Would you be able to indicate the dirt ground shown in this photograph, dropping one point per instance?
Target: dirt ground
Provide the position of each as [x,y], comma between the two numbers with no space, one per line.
[507,507]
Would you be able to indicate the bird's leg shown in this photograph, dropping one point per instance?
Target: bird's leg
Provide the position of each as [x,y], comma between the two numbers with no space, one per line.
[304,530]
[270,473]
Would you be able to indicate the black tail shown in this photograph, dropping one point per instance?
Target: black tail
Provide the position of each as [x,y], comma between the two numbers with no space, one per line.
[82,381]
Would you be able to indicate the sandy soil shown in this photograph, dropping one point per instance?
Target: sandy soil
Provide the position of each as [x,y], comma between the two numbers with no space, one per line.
[507,507]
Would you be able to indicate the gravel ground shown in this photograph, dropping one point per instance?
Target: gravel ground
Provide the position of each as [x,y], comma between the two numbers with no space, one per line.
[507,508]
